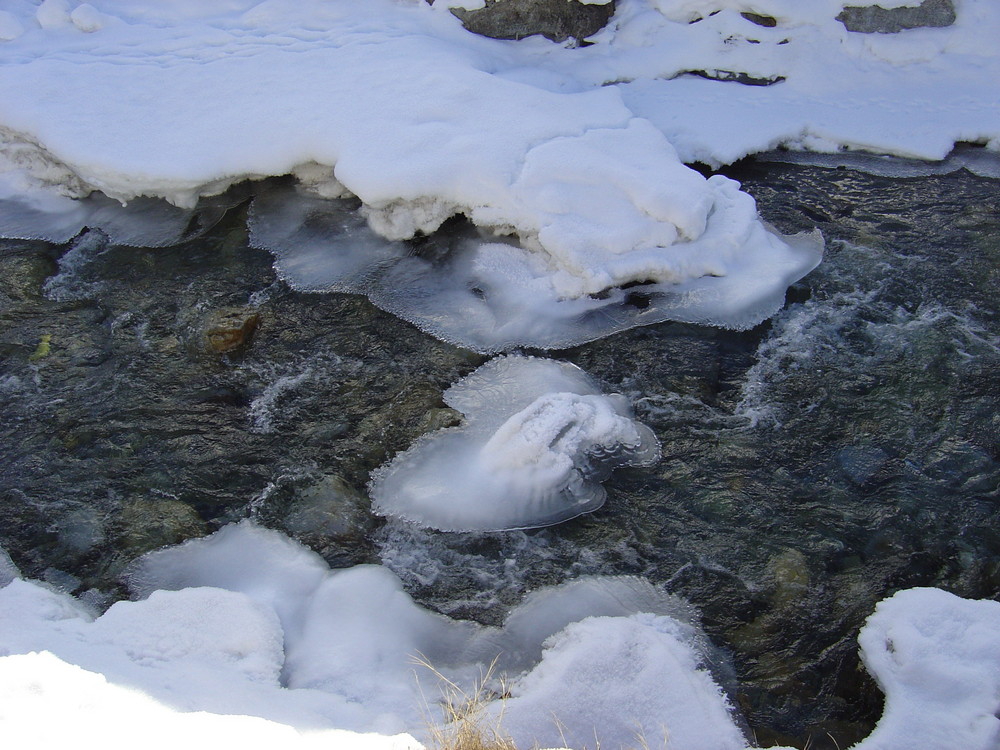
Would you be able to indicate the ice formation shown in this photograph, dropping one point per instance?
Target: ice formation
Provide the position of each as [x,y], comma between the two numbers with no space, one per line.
[247,636]
[247,623]
[490,294]
[538,439]
[594,195]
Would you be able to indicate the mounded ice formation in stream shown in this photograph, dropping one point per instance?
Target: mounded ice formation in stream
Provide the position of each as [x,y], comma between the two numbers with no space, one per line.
[538,439]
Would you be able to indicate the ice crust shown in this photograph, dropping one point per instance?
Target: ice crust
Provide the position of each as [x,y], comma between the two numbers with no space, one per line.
[538,439]
[246,636]
[247,623]
[491,294]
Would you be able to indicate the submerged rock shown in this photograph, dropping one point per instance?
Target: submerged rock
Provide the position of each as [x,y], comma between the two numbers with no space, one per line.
[230,329]
[557,20]
[22,276]
[331,517]
[149,524]
[874,19]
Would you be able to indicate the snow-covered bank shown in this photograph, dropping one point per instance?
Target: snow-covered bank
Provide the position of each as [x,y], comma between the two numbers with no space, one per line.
[395,103]
[246,636]
[573,151]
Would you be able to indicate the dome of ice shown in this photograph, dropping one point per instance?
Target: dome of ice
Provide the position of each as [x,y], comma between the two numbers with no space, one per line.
[538,440]
[552,289]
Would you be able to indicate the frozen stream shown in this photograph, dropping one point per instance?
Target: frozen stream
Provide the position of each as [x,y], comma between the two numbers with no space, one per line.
[812,466]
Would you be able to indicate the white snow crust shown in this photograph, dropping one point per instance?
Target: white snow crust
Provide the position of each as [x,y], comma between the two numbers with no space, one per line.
[538,439]
[395,103]
[247,632]
[247,637]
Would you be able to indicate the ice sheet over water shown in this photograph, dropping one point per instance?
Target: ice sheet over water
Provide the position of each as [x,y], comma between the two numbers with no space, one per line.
[490,293]
[538,440]
[143,222]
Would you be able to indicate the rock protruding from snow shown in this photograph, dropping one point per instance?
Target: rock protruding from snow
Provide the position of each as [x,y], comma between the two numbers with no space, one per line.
[557,20]
[874,19]
[538,440]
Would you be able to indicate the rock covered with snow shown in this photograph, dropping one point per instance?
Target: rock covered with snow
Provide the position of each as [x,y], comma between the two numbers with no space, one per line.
[538,439]
[936,657]
[246,636]
[626,681]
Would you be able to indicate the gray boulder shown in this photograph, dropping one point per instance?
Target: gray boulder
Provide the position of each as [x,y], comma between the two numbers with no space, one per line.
[557,20]
[874,19]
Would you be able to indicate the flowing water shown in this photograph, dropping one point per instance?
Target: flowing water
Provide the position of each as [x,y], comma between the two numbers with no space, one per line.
[812,466]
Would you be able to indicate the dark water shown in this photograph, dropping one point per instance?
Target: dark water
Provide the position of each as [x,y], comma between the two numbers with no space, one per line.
[845,450]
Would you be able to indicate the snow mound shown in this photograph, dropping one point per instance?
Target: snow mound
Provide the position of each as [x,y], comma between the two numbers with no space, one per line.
[936,657]
[620,682]
[538,440]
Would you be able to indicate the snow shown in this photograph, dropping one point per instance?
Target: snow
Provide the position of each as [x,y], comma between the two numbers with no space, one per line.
[568,163]
[937,659]
[538,439]
[417,120]
[568,159]
[247,623]
[10,26]
[488,294]
[625,680]
[46,702]
[245,636]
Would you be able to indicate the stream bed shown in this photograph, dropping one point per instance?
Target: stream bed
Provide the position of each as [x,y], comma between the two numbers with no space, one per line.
[844,450]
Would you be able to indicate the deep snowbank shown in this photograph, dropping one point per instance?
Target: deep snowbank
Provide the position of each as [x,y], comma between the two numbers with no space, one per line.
[573,151]
[395,103]
[247,636]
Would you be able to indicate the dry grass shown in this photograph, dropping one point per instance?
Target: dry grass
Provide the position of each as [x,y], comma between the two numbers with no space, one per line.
[467,725]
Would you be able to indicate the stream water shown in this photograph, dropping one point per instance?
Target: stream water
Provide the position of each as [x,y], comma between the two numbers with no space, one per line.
[846,449]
